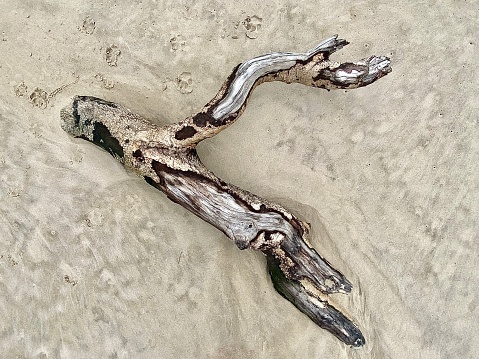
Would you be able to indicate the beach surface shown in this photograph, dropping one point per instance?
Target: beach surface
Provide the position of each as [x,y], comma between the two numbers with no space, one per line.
[95,263]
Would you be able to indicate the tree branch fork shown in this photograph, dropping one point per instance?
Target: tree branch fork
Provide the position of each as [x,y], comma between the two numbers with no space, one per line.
[166,158]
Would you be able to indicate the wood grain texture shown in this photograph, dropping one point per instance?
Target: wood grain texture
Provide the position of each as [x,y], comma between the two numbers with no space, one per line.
[166,158]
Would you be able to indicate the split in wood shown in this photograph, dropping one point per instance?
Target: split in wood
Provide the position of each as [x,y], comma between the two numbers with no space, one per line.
[166,158]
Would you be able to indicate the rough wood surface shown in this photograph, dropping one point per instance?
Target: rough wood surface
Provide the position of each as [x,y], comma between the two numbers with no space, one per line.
[166,158]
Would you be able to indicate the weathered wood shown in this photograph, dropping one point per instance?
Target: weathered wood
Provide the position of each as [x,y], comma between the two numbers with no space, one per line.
[166,158]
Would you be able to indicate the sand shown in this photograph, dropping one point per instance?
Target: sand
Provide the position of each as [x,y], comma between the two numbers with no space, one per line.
[95,263]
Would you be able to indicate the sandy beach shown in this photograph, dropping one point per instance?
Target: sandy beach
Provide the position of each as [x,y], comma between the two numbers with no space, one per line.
[95,263]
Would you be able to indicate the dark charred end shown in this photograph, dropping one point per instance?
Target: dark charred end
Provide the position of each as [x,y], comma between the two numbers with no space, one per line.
[71,119]
[202,119]
[185,132]
[77,117]
[324,315]
[138,155]
[103,138]
[160,167]
[75,114]
[227,120]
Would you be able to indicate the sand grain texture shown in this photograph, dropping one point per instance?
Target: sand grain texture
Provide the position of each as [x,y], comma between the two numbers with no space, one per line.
[96,263]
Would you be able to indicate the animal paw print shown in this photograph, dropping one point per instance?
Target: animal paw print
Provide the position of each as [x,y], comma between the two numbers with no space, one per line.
[112,54]
[105,83]
[252,25]
[177,43]
[21,89]
[88,26]
[184,82]
[39,98]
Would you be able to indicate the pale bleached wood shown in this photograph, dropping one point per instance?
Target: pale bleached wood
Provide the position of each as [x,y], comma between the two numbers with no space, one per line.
[166,158]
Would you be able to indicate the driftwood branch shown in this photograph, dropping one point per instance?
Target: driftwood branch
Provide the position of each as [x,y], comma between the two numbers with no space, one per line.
[166,158]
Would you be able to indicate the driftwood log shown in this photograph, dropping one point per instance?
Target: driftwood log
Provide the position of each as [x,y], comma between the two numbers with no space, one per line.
[166,158]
